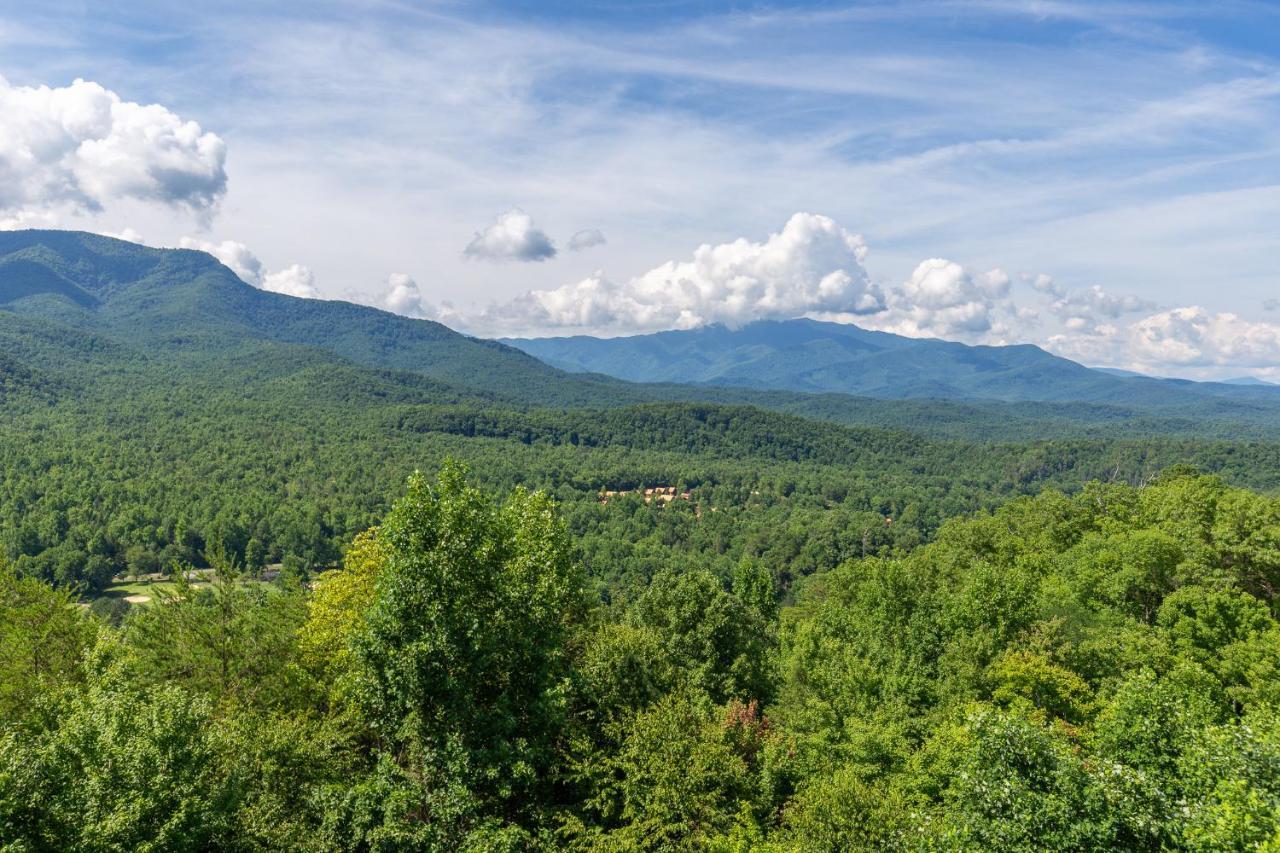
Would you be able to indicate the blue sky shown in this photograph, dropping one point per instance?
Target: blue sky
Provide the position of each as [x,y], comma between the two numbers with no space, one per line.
[1118,164]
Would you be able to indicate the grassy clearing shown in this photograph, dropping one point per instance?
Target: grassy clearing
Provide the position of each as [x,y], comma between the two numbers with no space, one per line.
[135,590]
[151,586]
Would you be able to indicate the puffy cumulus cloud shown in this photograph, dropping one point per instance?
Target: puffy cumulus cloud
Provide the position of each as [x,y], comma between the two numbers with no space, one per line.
[1043,283]
[403,296]
[995,283]
[233,254]
[811,266]
[294,280]
[513,236]
[585,239]
[593,304]
[82,146]
[944,300]
[1104,345]
[1188,341]
[1195,337]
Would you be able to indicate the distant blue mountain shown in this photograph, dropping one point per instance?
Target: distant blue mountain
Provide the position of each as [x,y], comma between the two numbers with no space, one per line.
[807,355]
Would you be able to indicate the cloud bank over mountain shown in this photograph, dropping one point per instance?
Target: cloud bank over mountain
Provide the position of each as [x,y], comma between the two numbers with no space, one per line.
[293,280]
[814,267]
[811,265]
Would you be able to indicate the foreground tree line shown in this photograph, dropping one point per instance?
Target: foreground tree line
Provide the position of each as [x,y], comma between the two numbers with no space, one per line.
[1090,672]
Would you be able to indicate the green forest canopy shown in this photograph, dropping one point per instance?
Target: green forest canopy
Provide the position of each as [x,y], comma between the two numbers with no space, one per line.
[1094,671]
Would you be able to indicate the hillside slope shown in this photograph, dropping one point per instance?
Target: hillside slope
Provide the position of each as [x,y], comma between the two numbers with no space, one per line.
[184,301]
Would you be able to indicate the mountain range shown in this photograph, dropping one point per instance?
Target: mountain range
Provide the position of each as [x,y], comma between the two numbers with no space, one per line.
[817,357]
[83,316]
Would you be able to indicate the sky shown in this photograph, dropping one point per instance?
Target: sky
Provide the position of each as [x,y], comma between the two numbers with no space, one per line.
[1101,179]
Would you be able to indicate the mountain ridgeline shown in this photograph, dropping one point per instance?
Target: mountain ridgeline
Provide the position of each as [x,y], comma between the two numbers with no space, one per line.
[169,302]
[811,356]
[78,310]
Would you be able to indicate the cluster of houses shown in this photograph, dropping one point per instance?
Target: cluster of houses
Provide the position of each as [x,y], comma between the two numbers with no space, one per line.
[661,494]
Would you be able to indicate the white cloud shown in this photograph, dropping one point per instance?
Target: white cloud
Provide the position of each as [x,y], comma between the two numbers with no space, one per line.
[404,297]
[1093,310]
[1090,311]
[1195,337]
[585,239]
[811,265]
[1191,341]
[995,283]
[233,254]
[127,234]
[942,299]
[1044,283]
[513,236]
[294,280]
[82,147]
[27,218]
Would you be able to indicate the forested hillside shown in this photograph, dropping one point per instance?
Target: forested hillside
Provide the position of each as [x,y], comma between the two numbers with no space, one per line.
[157,406]
[1088,672]
[603,615]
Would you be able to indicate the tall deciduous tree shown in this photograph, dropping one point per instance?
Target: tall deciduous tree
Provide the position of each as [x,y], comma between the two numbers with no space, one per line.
[463,654]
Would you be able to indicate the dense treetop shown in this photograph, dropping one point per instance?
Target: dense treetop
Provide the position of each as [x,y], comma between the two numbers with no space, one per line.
[1095,671]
